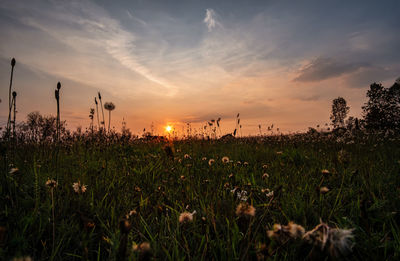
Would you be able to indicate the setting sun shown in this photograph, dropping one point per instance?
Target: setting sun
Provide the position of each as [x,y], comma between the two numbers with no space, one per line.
[168,128]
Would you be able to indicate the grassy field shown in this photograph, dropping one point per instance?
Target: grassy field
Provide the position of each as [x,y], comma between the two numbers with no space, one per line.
[137,190]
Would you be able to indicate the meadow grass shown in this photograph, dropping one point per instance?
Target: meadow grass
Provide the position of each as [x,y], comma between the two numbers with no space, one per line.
[140,178]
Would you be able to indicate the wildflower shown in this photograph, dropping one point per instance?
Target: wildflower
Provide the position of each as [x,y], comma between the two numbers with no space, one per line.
[183,177]
[325,171]
[242,195]
[265,190]
[270,194]
[204,158]
[186,156]
[238,163]
[14,170]
[245,210]
[186,217]
[79,188]
[323,190]
[225,159]
[51,183]
[265,175]
[265,166]
[230,175]
[132,213]
[245,163]
[279,152]
[211,161]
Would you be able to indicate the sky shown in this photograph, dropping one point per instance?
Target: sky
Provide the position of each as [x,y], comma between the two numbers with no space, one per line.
[177,62]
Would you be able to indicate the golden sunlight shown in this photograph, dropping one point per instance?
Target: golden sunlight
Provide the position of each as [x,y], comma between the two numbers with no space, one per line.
[168,128]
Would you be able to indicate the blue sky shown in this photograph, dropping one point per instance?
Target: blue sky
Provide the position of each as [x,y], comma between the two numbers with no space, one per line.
[278,62]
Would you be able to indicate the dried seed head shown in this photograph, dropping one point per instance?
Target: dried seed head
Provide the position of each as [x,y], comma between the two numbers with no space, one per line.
[225,159]
[211,161]
[14,94]
[318,236]
[125,226]
[325,171]
[13,62]
[323,190]
[186,217]
[245,210]
[58,86]
[14,171]
[51,183]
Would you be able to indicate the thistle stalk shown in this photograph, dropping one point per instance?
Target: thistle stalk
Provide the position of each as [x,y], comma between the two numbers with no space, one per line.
[102,111]
[14,94]
[97,112]
[9,97]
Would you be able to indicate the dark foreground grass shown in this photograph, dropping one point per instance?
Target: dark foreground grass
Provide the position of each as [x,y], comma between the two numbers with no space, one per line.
[363,182]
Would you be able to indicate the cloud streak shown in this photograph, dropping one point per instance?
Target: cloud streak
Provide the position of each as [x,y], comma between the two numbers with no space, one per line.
[210,19]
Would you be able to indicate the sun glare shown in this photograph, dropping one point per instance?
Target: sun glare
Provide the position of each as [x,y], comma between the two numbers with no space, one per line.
[168,128]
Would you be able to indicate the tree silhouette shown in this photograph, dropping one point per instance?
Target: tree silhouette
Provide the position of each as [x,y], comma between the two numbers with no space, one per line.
[339,112]
[382,111]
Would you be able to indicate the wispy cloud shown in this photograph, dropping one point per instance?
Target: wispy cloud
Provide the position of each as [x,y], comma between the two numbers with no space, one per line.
[324,68]
[210,19]
[88,28]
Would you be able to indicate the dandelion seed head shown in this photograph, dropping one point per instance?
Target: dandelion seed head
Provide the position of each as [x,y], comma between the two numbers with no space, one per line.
[109,106]
[340,242]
